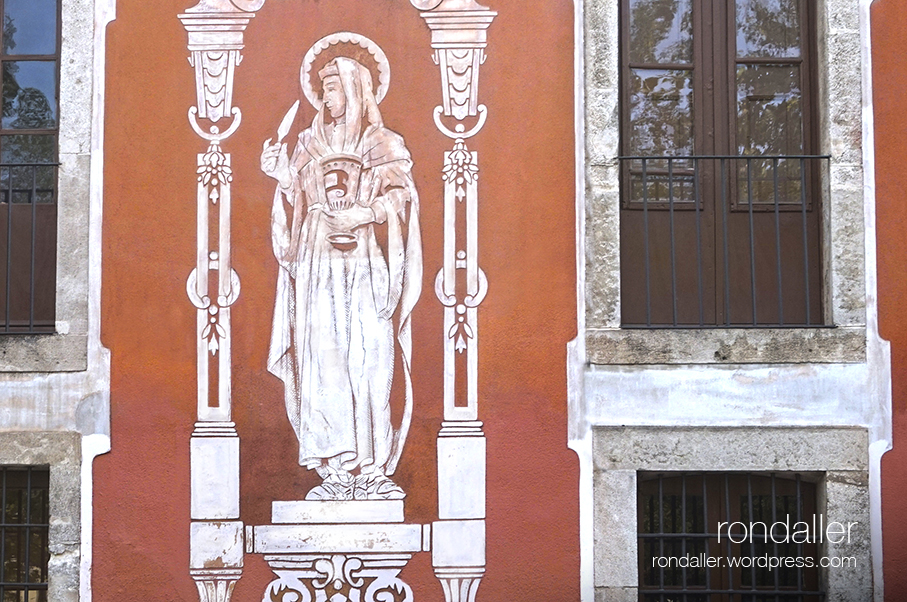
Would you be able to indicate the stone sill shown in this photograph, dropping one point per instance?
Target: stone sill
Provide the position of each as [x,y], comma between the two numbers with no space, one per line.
[841,345]
[43,353]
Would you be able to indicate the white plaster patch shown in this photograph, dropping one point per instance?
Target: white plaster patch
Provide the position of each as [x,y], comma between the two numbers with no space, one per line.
[336,539]
[458,543]
[337,511]
[215,545]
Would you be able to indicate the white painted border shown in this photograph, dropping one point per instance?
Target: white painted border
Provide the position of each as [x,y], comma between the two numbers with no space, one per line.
[579,436]
[95,444]
[92,446]
[878,350]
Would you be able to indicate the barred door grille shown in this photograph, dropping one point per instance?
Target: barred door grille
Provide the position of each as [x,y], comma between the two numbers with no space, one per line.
[24,525]
[679,517]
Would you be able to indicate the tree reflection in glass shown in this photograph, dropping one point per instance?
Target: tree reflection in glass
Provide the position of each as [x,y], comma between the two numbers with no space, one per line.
[768,28]
[661,118]
[661,31]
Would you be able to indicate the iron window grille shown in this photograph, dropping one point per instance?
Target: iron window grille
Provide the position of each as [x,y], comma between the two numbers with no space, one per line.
[679,517]
[24,526]
[763,269]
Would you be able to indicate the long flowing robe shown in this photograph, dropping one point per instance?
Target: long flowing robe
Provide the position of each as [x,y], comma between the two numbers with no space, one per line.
[336,311]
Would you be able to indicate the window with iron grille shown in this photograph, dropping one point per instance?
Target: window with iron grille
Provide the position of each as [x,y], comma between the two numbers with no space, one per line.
[721,186]
[24,525]
[680,515]
[29,76]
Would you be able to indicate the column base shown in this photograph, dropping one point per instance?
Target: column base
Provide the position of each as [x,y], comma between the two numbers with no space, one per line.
[460,585]
[215,585]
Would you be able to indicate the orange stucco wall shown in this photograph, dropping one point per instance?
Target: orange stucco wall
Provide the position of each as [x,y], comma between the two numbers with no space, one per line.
[889,21]
[527,246]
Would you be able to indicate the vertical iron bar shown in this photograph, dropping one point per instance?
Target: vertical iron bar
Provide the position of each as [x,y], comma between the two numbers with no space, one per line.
[727,271]
[749,495]
[650,543]
[801,583]
[33,197]
[805,245]
[3,534]
[749,196]
[683,530]
[27,528]
[673,246]
[661,538]
[705,528]
[9,242]
[698,234]
[778,241]
[672,548]
[645,238]
[774,543]
[727,510]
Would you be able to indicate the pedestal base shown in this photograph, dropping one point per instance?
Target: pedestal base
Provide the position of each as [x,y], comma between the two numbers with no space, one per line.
[359,577]
[215,585]
[460,585]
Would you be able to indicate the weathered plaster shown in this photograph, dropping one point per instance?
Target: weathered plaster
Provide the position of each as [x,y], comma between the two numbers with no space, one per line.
[726,346]
[836,457]
[730,448]
[847,500]
[61,452]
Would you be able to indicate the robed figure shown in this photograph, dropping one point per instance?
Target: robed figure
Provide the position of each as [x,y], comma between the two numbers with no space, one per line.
[343,303]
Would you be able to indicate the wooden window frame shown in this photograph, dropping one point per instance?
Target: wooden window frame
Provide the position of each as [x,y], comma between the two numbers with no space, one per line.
[710,185]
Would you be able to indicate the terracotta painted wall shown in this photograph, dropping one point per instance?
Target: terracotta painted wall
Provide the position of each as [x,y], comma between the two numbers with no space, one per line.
[889,21]
[526,248]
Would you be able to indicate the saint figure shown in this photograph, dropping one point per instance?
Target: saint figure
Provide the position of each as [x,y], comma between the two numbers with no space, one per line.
[343,303]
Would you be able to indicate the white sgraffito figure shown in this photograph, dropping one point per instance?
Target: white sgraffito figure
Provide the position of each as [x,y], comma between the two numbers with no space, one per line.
[343,304]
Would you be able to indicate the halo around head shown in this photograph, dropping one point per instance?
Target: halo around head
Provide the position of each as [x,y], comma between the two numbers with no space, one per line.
[349,45]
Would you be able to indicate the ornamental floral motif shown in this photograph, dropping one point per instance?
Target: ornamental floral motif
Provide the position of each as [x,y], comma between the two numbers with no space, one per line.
[214,169]
[339,578]
[460,162]
[213,331]
[460,331]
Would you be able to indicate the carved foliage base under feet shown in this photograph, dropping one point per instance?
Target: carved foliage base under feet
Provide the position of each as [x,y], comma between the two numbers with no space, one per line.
[338,578]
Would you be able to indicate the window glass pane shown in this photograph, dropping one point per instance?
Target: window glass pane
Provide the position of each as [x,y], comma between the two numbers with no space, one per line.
[768,28]
[661,112]
[769,110]
[29,94]
[769,122]
[661,31]
[30,27]
[28,148]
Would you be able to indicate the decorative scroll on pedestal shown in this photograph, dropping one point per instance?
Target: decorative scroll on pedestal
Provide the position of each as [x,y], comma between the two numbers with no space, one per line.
[338,578]
[458,538]
[215,29]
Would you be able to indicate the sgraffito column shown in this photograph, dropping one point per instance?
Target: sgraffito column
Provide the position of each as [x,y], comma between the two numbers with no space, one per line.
[458,29]
[215,29]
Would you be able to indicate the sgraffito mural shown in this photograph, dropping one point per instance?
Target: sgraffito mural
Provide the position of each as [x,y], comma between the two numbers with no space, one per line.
[346,236]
